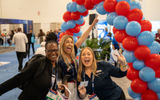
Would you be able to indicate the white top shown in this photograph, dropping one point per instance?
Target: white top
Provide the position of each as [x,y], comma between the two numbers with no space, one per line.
[20,40]
[40,50]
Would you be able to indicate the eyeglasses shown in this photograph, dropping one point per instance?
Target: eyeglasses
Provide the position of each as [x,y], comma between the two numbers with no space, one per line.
[53,50]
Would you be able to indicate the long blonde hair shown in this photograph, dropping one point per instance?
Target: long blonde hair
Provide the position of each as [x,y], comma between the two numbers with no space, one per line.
[63,54]
[82,67]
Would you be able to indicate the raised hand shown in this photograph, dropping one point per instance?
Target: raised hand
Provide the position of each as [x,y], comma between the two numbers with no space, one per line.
[82,91]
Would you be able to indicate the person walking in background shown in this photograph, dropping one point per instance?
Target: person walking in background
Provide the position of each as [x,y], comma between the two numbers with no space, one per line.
[41,34]
[158,36]
[10,39]
[20,40]
[31,40]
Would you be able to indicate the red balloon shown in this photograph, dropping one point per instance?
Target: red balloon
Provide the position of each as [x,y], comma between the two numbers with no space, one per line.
[109,5]
[67,16]
[120,35]
[138,86]
[142,52]
[158,73]
[74,30]
[73,0]
[97,1]
[69,33]
[114,30]
[135,15]
[84,13]
[130,43]
[88,4]
[80,2]
[62,34]
[149,95]
[153,61]
[130,65]
[122,8]
[132,74]
[145,25]
[75,15]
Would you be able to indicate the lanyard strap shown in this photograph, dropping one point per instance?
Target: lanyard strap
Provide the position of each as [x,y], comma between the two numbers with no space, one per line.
[92,76]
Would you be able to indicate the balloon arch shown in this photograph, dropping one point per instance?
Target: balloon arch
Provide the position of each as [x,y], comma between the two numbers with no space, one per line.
[133,32]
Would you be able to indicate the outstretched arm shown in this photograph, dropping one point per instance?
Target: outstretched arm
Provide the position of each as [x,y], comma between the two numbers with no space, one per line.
[86,33]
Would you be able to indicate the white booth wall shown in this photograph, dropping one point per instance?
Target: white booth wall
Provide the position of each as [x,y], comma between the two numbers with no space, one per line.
[51,11]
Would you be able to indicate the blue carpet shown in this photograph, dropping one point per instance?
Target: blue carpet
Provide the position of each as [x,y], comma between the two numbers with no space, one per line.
[9,70]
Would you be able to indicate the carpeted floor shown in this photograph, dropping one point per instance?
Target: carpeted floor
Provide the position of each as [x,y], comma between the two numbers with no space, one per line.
[9,70]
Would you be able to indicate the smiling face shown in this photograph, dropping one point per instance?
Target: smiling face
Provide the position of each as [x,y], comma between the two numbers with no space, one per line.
[68,45]
[52,51]
[87,58]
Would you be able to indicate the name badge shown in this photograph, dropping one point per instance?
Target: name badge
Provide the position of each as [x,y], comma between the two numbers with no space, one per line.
[84,83]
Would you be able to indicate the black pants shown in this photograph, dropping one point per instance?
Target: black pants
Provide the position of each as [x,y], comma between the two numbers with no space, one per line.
[20,56]
[28,49]
[122,96]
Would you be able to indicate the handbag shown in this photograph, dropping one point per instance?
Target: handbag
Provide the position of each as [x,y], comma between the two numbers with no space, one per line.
[56,95]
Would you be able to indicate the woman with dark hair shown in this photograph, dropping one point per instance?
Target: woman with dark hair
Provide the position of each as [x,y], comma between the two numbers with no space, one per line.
[38,74]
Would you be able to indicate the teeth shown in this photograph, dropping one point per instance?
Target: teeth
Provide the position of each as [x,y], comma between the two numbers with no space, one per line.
[53,56]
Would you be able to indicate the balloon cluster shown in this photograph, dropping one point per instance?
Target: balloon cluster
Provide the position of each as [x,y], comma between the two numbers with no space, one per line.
[133,32]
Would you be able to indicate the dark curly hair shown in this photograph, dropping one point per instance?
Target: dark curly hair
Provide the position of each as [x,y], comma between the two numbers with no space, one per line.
[51,36]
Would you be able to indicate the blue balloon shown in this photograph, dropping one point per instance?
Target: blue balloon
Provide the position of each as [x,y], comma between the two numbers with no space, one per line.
[137,98]
[111,17]
[64,26]
[72,7]
[155,48]
[75,39]
[100,9]
[155,85]
[79,21]
[81,8]
[138,65]
[133,28]
[94,7]
[78,34]
[134,5]
[158,96]
[129,56]
[71,24]
[146,38]
[132,93]
[120,22]
[129,1]
[147,74]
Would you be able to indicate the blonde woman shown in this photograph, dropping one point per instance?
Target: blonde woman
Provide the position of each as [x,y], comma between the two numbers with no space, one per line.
[67,60]
[94,77]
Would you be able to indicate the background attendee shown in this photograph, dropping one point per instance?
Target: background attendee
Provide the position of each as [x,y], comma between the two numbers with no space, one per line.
[158,36]
[49,36]
[38,74]
[11,36]
[98,77]
[41,34]
[20,40]
[31,40]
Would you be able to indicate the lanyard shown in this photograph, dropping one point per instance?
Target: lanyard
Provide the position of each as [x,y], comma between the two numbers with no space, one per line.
[71,67]
[92,76]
